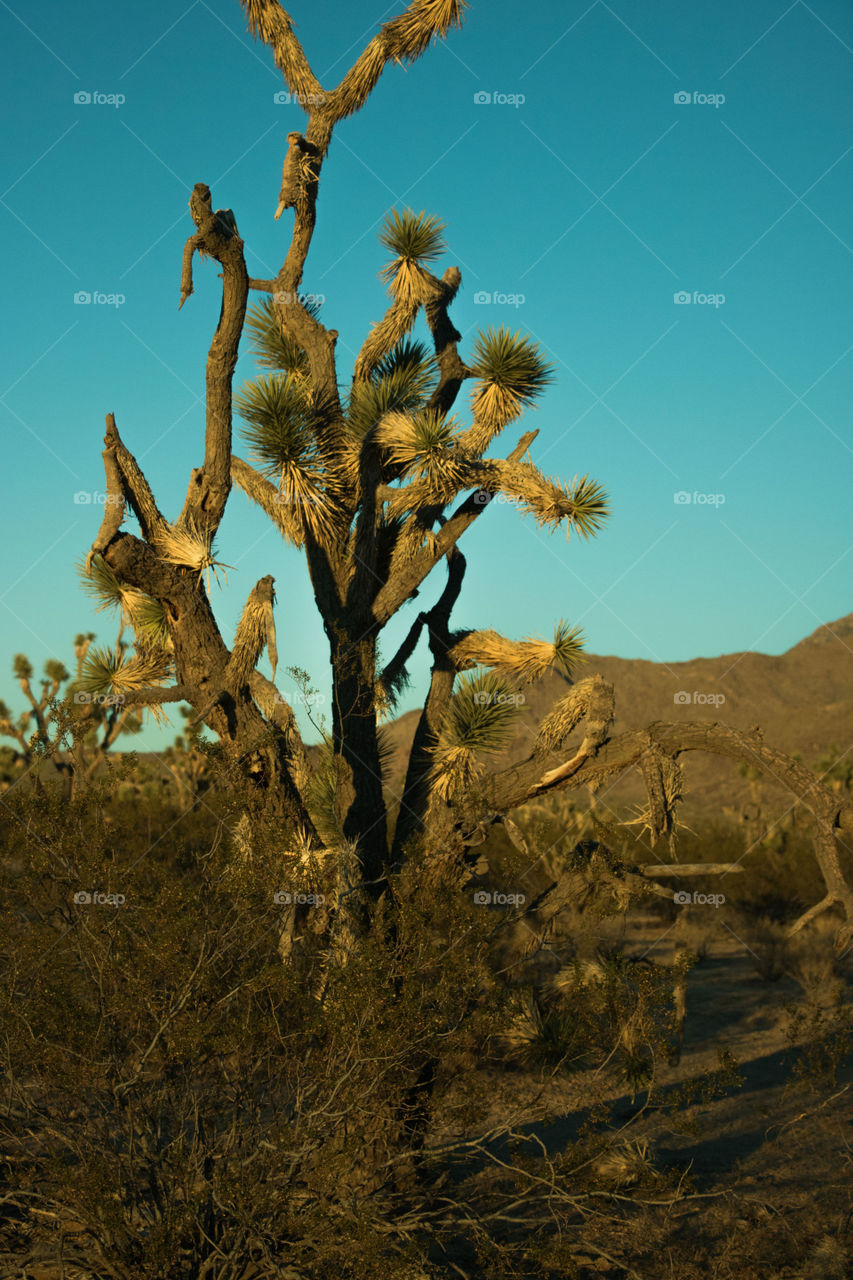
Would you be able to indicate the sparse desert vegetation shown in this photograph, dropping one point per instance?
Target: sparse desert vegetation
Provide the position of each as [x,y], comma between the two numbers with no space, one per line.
[469,1092]
[500,989]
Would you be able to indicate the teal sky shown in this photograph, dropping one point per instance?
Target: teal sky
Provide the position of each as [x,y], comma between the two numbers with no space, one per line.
[580,197]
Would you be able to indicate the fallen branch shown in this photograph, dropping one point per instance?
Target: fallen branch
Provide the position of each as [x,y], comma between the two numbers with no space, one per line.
[833,817]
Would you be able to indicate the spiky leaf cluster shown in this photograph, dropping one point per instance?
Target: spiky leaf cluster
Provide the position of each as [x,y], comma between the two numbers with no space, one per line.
[190,547]
[117,673]
[425,447]
[510,373]
[482,713]
[590,506]
[525,660]
[149,625]
[322,789]
[411,359]
[56,671]
[101,583]
[280,422]
[582,504]
[413,239]
[283,430]
[273,348]
[480,718]
[141,612]
[567,647]
[401,381]
[22,666]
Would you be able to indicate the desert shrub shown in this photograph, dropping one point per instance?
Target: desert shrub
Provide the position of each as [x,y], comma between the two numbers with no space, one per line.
[828,1261]
[185,1101]
[814,963]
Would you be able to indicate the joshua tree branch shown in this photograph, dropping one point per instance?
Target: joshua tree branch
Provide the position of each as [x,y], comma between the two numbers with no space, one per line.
[511,787]
[397,321]
[403,38]
[211,483]
[115,719]
[279,712]
[394,670]
[190,248]
[362,586]
[262,491]
[400,587]
[272,24]
[326,584]
[135,486]
[296,321]
[154,697]
[394,325]
[438,618]
[113,508]
[445,337]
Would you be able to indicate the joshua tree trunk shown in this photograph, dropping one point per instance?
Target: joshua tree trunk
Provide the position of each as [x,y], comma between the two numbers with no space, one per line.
[362,806]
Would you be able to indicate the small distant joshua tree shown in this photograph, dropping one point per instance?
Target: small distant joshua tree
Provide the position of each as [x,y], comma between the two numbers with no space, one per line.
[65,725]
[365,484]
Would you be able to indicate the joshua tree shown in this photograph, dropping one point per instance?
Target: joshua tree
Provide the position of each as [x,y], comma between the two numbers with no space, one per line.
[360,482]
[364,483]
[64,714]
